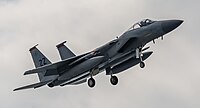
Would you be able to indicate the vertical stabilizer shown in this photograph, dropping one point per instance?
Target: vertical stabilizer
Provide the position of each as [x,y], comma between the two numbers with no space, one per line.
[39,60]
[64,51]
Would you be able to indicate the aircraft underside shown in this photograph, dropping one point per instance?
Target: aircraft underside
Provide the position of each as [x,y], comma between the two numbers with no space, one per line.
[112,58]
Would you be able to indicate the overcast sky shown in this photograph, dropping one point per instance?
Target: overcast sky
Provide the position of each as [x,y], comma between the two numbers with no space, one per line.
[169,80]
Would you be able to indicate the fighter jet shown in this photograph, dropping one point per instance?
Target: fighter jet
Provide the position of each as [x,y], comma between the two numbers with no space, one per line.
[114,57]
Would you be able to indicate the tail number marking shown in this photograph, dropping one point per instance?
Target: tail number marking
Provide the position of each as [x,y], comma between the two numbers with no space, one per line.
[42,61]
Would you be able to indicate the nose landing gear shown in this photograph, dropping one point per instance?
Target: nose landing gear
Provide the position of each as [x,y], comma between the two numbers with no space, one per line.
[139,55]
[91,82]
[113,80]
[142,64]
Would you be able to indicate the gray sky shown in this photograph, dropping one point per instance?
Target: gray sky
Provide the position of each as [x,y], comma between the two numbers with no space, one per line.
[170,79]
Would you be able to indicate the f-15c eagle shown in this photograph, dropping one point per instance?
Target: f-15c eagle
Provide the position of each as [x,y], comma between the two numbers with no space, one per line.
[114,57]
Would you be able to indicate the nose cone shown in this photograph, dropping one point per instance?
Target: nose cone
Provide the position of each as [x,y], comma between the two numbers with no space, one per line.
[170,25]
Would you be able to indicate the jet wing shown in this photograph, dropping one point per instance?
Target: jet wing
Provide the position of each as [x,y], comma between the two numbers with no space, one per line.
[53,66]
[36,85]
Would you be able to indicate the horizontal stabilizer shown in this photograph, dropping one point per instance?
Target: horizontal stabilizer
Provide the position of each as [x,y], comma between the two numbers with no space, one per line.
[51,67]
[36,85]
[48,72]
[32,72]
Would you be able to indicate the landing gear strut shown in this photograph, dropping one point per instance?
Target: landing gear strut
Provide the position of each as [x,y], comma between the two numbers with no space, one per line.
[91,82]
[139,55]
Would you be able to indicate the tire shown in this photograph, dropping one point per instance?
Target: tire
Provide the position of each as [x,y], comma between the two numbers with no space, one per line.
[142,65]
[91,82]
[113,80]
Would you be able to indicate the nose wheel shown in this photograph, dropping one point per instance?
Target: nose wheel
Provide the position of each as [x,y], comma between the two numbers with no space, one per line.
[142,64]
[91,82]
[113,80]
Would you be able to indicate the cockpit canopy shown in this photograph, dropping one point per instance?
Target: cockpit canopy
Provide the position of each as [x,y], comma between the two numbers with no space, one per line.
[142,23]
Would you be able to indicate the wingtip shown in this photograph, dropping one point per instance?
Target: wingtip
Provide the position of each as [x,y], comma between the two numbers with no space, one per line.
[15,89]
[26,73]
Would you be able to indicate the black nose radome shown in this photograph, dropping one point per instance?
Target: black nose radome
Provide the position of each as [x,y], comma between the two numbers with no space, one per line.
[169,25]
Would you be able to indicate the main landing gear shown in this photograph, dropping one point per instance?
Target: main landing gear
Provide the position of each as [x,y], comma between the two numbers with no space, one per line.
[113,79]
[91,81]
